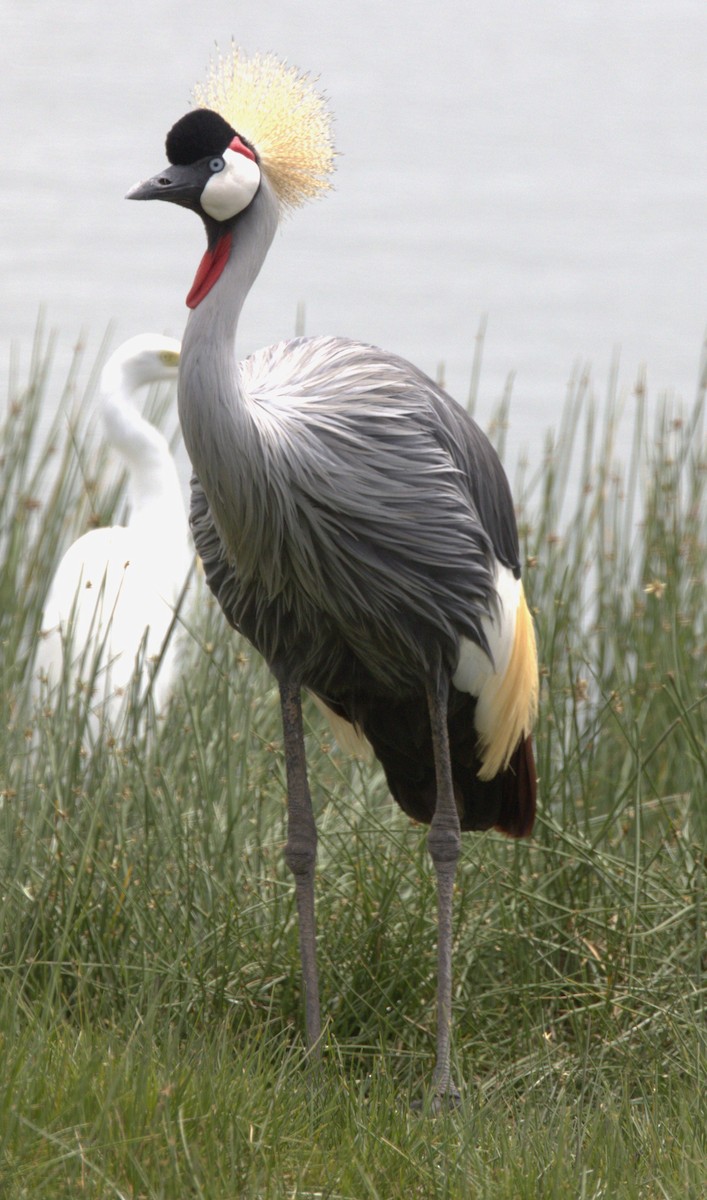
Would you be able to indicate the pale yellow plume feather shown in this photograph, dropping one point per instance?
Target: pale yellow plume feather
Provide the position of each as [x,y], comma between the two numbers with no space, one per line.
[349,738]
[278,110]
[507,706]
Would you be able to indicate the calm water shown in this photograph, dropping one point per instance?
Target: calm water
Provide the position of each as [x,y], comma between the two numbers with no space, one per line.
[542,164]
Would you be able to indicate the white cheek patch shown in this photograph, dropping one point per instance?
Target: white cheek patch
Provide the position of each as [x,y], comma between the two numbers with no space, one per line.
[231,190]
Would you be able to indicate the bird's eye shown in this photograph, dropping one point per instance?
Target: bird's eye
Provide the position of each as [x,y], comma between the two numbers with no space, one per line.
[216,164]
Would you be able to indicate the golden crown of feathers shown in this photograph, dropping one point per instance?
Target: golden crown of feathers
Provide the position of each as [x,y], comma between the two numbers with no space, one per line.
[277,109]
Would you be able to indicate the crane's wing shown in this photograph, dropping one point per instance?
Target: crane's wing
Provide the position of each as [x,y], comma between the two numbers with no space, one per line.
[377,401]
[366,514]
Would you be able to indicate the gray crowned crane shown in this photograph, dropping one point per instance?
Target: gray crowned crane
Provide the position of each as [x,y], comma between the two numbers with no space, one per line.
[354,523]
[110,607]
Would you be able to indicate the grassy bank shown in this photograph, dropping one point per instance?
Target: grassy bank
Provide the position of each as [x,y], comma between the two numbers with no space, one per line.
[150,1006]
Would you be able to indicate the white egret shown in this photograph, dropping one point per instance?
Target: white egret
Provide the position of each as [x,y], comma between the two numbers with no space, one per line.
[108,617]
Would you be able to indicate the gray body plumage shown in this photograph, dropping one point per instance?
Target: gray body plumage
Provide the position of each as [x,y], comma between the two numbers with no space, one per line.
[362,536]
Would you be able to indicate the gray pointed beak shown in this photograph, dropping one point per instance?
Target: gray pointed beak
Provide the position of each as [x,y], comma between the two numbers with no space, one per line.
[181,185]
[147,190]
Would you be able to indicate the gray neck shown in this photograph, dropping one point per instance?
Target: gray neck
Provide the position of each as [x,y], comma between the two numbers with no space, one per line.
[218,428]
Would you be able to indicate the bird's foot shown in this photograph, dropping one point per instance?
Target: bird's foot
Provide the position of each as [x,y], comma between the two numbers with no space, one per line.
[438,1101]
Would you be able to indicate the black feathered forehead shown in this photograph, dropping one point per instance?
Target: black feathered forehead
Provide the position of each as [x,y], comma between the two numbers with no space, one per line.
[200,134]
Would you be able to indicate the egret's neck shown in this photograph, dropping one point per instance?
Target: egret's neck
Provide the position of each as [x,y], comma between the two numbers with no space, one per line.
[153,482]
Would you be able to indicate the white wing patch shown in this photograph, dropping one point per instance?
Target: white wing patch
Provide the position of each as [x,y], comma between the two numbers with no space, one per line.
[475,669]
[507,688]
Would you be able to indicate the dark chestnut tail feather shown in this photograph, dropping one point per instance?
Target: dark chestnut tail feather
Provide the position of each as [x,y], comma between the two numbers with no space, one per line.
[517,814]
[400,735]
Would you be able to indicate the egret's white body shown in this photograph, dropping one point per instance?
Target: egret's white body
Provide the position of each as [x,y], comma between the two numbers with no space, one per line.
[108,619]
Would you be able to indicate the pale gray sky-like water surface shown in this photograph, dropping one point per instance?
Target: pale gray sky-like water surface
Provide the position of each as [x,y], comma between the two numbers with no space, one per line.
[543,165]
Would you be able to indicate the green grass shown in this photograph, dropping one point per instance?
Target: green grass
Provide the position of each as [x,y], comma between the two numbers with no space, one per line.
[150,1002]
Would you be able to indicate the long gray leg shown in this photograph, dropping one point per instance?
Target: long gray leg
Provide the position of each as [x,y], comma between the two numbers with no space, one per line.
[444,843]
[300,856]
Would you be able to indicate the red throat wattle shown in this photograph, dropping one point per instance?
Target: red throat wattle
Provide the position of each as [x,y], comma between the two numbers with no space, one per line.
[215,260]
[210,269]
[241,148]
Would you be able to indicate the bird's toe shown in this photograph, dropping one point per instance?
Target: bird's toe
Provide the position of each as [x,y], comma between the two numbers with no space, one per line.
[437,1102]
